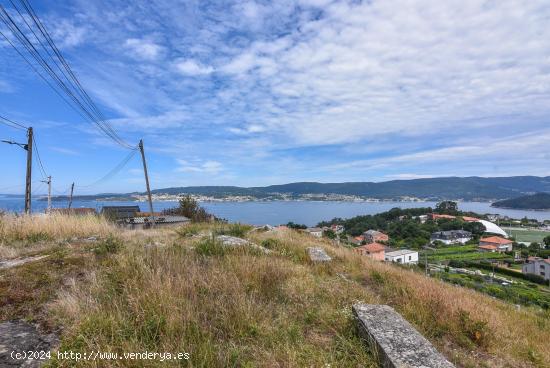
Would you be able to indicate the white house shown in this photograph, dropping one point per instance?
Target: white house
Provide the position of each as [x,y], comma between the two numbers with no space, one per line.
[452,236]
[402,256]
[537,266]
[315,231]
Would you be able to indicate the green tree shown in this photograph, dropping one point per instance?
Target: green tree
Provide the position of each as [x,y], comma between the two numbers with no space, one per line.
[546,241]
[329,234]
[447,207]
[190,208]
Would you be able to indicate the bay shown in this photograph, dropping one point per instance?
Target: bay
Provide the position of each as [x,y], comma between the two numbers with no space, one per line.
[281,212]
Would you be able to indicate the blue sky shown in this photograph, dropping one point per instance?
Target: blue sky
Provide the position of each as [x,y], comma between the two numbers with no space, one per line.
[261,92]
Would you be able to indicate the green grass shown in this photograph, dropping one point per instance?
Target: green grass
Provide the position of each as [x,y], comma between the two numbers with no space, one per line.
[523,292]
[528,235]
[465,252]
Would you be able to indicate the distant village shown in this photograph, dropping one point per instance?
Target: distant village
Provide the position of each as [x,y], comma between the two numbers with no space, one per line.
[373,243]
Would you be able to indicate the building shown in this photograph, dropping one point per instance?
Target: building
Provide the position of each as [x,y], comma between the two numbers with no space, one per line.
[142,222]
[338,229]
[495,244]
[375,251]
[374,236]
[452,236]
[315,231]
[403,256]
[537,266]
[435,216]
[119,212]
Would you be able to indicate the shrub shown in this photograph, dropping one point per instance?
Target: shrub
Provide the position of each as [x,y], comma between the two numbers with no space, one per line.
[210,247]
[110,245]
[238,230]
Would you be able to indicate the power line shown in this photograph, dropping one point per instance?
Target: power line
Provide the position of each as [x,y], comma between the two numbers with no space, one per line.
[112,172]
[35,146]
[66,82]
[12,123]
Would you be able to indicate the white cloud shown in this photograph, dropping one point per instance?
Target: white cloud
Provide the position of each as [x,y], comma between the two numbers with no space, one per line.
[206,167]
[192,67]
[65,151]
[144,48]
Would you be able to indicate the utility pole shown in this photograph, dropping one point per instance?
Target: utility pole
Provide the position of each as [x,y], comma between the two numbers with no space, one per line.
[49,182]
[29,172]
[27,147]
[71,196]
[147,182]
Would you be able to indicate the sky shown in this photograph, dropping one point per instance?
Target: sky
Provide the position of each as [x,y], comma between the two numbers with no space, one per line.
[255,93]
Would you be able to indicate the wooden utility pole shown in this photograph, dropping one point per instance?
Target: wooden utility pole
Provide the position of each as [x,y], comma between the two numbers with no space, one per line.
[29,170]
[147,182]
[49,182]
[71,196]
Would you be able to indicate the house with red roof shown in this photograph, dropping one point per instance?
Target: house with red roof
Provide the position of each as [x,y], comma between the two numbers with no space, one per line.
[495,244]
[375,251]
[375,236]
[435,216]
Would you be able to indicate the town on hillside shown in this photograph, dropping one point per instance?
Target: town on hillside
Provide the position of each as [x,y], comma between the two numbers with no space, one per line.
[506,258]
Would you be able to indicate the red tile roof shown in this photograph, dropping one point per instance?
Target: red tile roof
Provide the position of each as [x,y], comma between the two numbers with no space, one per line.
[436,216]
[373,247]
[496,240]
[470,219]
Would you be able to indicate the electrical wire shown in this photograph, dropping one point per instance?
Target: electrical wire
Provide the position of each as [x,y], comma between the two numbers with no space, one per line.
[67,83]
[12,123]
[112,172]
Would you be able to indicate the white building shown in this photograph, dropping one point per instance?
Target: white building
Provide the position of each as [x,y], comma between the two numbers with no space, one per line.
[315,231]
[402,256]
[537,266]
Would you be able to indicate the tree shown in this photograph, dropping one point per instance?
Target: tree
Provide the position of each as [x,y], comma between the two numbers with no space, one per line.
[329,233]
[447,207]
[546,241]
[191,209]
[292,225]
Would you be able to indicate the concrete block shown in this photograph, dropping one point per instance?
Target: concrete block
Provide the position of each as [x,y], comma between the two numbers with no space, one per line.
[394,341]
[317,254]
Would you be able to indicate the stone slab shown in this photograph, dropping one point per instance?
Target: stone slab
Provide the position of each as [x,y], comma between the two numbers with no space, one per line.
[317,254]
[19,261]
[20,336]
[394,341]
[233,241]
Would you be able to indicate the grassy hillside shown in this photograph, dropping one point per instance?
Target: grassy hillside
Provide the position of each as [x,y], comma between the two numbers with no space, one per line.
[180,291]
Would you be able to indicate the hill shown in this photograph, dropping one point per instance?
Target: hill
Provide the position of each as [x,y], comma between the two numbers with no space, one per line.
[539,201]
[469,188]
[179,290]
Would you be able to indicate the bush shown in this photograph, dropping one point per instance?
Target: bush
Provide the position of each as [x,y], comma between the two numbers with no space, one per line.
[238,230]
[110,245]
[210,247]
[191,209]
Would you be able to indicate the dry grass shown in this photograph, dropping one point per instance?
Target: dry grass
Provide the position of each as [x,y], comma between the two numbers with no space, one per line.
[20,235]
[163,290]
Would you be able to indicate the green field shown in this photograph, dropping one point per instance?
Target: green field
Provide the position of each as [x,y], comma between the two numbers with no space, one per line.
[461,253]
[527,235]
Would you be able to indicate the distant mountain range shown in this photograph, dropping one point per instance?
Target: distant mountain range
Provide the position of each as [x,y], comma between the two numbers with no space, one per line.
[468,188]
[538,201]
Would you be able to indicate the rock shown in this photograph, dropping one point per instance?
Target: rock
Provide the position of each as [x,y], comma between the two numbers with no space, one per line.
[233,241]
[19,261]
[394,341]
[317,254]
[19,337]
[91,239]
